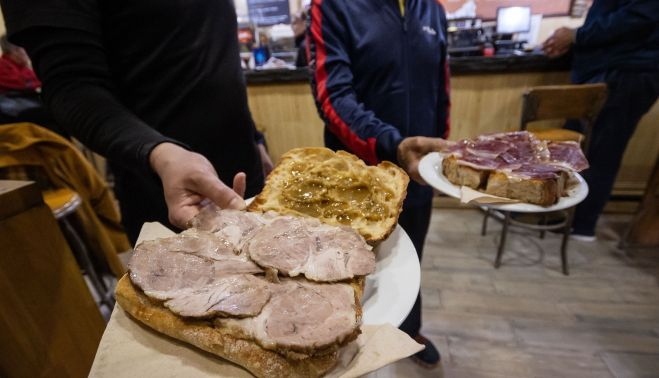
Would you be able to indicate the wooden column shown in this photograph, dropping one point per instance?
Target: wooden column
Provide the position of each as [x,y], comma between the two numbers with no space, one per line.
[644,229]
[49,323]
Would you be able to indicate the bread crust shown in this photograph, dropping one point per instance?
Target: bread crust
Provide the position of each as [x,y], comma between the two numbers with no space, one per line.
[220,341]
[388,174]
[543,192]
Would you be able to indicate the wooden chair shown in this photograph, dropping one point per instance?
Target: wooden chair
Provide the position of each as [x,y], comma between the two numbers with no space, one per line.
[562,102]
[556,102]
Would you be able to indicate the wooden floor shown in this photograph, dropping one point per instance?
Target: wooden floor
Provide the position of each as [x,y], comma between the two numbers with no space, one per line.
[528,320]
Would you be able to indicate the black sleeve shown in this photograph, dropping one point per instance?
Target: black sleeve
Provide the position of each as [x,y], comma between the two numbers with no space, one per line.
[635,19]
[78,89]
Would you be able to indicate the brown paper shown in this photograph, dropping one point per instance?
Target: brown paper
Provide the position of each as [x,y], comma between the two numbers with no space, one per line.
[130,349]
[469,195]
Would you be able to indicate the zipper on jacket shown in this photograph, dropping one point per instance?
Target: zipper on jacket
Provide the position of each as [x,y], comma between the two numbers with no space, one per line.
[406,68]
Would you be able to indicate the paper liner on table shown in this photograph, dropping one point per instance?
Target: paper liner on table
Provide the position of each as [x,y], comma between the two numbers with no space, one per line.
[469,195]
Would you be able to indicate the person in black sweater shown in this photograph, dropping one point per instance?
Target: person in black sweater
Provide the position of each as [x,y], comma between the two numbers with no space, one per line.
[156,87]
[618,44]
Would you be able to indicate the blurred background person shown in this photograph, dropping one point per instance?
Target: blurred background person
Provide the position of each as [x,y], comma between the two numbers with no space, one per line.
[618,44]
[19,89]
[380,81]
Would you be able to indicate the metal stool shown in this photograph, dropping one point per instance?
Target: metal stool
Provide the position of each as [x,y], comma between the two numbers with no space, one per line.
[582,102]
[63,203]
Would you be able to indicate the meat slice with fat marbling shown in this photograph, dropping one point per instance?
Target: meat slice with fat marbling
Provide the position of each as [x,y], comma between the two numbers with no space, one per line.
[302,316]
[235,295]
[320,252]
[233,226]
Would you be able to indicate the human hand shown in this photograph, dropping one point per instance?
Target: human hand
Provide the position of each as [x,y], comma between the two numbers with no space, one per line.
[412,149]
[559,43]
[188,179]
[266,162]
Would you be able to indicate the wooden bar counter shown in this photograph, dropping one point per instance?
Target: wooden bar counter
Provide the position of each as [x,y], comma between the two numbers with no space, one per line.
[486,96]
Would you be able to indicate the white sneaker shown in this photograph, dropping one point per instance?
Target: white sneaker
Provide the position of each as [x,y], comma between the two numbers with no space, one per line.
[583,238]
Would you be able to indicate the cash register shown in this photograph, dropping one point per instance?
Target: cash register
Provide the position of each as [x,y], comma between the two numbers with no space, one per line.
[473,36]
[510,21]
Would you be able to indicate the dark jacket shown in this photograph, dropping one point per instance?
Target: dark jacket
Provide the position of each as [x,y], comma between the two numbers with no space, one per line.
[378,76]
[617,35]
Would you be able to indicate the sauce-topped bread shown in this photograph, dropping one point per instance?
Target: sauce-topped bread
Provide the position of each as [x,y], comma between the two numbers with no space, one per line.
[337,188]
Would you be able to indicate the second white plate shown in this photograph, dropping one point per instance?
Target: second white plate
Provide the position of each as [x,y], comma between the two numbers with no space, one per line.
[430,169]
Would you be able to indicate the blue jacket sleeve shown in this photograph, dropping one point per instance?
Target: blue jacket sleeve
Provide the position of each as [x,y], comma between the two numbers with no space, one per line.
[635,17]
[444,102]
[356,127]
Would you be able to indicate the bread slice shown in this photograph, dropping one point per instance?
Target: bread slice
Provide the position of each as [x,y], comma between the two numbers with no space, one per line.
[338,188]
[225,342]
[462,175]
[543,192]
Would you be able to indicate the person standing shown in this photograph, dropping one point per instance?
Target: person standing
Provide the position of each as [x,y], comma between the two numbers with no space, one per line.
[380,81]
[618,44]
[157,88]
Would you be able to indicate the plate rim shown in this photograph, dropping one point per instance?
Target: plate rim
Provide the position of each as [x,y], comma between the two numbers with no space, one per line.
[428,169]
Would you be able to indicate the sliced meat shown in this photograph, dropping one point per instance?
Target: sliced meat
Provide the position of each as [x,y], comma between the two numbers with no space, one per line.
[236,295]
[321,252]
[190,260]
[285,245]
[208,245]
[162,274]
[567,155]
[340,253]
[233,226]
[302,316]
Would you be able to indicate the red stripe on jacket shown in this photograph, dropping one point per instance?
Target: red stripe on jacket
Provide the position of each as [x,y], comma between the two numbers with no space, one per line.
[365,149]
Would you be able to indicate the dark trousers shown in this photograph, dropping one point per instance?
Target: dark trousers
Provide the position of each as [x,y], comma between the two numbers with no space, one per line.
[415,219]
[631,94]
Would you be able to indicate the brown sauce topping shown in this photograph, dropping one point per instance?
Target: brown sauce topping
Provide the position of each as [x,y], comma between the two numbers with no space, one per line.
[331,191]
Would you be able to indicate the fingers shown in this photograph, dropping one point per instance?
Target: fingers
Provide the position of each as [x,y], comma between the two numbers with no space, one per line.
[240,183]
[211,187]
[181,216]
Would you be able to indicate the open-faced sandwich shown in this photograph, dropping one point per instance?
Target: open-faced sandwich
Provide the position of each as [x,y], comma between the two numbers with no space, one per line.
[514,165]
[275,292]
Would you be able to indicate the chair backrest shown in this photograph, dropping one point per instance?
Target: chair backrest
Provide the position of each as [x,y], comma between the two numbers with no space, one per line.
[582,102]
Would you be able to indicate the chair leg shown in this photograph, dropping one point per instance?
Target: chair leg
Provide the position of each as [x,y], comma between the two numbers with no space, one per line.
[566,236]
[86,264]
[544,223]
[502,242]
[484,228]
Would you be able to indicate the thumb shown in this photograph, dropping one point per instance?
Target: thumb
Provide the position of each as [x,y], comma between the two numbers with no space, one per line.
[240,183]
[211,187]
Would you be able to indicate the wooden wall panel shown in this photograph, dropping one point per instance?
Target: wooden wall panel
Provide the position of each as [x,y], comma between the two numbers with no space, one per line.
[481,104]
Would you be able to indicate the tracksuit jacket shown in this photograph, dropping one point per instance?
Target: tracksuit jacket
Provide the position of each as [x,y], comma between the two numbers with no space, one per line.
[379,74]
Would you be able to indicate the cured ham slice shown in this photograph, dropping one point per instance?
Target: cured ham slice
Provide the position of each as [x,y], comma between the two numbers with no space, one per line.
[567,155]
[518,152]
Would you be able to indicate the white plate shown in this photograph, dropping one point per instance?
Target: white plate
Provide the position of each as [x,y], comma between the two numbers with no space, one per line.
[391,291]
[430,169]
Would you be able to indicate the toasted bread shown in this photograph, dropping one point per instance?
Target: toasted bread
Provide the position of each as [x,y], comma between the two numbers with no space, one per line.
[226,342]
[337,188]
[462,175]
[543,192]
